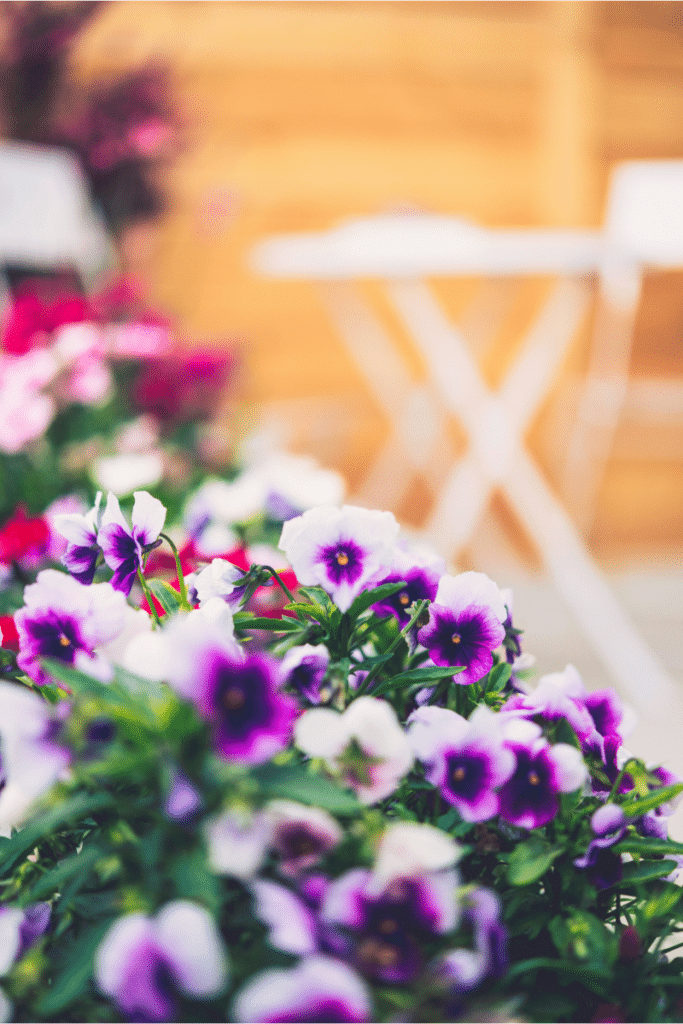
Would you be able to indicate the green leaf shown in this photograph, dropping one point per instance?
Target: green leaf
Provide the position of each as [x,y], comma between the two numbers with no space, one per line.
[423,676]
[283,625]
[193,880]
[561,966]
[52,881]
[73,809]
[292,782]
[72,982]
[646,870]
[649,847]
[634,808]
[662,902]
[370,597]
[496,679]
[167,596]
[530,860]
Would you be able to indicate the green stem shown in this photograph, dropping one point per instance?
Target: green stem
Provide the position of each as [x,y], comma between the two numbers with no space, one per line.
[179,570]
[406,629]
[284,586]
[624,771]
[150,601]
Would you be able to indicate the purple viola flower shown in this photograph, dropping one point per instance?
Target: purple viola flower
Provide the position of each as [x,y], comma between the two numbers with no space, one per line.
[183,800]
[339,550]
[421,576]
[558,695]
[249,718]
[67,620]
[319,988]
[467,759]
[144,964]
[82,550]
[530,797]
[303,668]
[465,625]
[386,930]
[123,546]
[609,825]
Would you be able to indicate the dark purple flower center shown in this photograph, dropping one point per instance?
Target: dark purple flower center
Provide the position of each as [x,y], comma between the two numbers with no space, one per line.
[241,700]
[459,640]
[326,1010]
[466,775]
[299,841]
[418,587]
[307,677]
[531,789]
[343,561]
[55,636]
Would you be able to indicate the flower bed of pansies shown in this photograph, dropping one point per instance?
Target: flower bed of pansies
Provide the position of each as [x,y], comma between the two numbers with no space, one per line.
[345,803]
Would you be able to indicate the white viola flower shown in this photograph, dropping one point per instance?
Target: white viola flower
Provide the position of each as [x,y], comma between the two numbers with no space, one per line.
[215,580]
[136,623]
[139,956]
[216,611]
[365,745]
[123,474]
[305,992]
[67,621]
[339,550]
[300,835]
[408,850]
[237,842]
[30,758]
[303,668]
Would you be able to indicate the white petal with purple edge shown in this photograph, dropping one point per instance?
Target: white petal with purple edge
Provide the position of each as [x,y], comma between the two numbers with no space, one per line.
[279,993]
[571,769]
[343,899]
[409,849]
[291,924]
[468,589]
[75,528]
[188,935]
[148,517]
[237,843]
[114,953]
[113,515]
[431,728]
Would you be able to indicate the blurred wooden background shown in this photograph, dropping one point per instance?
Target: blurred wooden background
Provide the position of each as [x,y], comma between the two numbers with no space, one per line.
[300,114]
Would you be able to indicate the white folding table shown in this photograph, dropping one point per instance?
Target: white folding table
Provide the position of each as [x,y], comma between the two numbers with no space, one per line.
[404,250]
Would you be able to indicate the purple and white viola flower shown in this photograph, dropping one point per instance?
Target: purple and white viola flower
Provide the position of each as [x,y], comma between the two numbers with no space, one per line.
[292,926]
[68,621]
[303,669]
[215,580]
[530,797]
[609,824]
[339,550]
[410,849]
[421,574]
[558,695]
[82,550]
[465,624]
[183,800]
[318,988]
[249,717]
[384,927]
[462,970]
[237,842]
[144,964]
[31,758]
[124,547]
[365,745]
[300,835]
[467,760]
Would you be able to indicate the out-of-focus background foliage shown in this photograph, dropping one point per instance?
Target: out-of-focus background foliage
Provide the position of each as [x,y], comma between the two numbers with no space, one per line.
[299,114]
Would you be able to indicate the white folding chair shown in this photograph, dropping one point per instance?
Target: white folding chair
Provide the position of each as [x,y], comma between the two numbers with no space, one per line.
[47,221]
[644,228]
[401,251]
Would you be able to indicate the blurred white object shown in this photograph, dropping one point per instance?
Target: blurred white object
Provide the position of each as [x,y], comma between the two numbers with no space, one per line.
[46,218]
[644,228]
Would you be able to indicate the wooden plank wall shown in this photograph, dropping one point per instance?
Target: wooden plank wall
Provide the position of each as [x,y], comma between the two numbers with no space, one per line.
[300,114]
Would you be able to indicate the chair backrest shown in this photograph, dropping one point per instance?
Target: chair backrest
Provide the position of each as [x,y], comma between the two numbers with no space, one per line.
[644,215]
[46,218]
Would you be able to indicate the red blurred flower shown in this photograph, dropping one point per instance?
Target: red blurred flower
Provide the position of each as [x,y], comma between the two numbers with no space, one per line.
[184,386]
[10,636]
[30,317]
[24,538]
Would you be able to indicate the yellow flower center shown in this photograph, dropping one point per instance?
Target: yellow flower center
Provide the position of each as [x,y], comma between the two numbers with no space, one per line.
[533,779]
[64,640]
[459,774]
[404,599]
[233,699]
[342,558]
[455,639]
